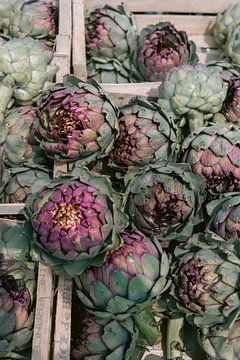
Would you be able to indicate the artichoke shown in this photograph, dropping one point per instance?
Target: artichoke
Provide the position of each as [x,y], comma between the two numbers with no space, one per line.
[224,215]
[206,280]
[192,94]
[15,240]
[162,47]
[23,18]
[110,71]
[17,296]
[104,339]
[77,121]
[165,200]
[224,23]
[75,220]
[25,72]
[25,181]
[232,46]
[111,33]
[146,135]
[231,105]
[133,276]
[228,71]
[214,153]
[221,342]
[16,143]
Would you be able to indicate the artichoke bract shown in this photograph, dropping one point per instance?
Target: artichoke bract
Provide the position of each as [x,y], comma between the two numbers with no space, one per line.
[192,94]
[206,280]
[231,105]
[77,121]
[214,153]
[133,276]
[224,214]
[232,46]
[221,342]
[23,18]
[4,176]
[111,33]
[25,72]
[110,71]
[24,182]
[104,339]
[165,200]
[147,135]
[162,47]
[15,240]
[224,23]
[17,297]
[228,71]
[16,143]
[76,220]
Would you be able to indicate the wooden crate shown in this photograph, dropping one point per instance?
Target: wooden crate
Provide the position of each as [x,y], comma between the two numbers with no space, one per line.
[195,17]
[44,315]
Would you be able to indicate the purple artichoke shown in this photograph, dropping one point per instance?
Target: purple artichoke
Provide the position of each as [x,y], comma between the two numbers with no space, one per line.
[133,276]
[165,201]
[17,295]
[224,213]
[75,220]
[231,105]
[76,122]
[162,47]
[23,182]
[206,280]
[16,140]
[110,33]
[146,135]
[214,153]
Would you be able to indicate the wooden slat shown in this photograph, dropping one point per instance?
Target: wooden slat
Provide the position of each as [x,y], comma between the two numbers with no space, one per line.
[43,314]
[62,334]
[203,41]
[11,209]
[179,6]
[192,24]
[78,41]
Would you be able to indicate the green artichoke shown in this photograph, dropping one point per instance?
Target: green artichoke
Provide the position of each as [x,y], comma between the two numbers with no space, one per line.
[25,181]
[104,339]
[165,200]
[221,342]
[110,71]
[147,135]
[76,220]
[16,140]
[133,276]
[206,280]
[110,33]
[77,121]
[162,47]
[231,105]
[25,72]
[17,297]
[232,46]
[23,18]
[192,94]
[224,22]
[228,71]
[224,213]
[15,240]
[214,153]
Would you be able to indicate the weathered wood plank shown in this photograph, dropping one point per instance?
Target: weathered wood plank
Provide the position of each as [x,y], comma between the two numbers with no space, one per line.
[180,6]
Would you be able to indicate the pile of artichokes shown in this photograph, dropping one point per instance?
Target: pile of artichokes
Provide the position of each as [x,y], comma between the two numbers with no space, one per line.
[146,220]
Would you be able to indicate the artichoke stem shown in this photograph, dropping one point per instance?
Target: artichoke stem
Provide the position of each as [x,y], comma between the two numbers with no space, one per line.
[147,326]
[174,343]
[195,121]
[6,93]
